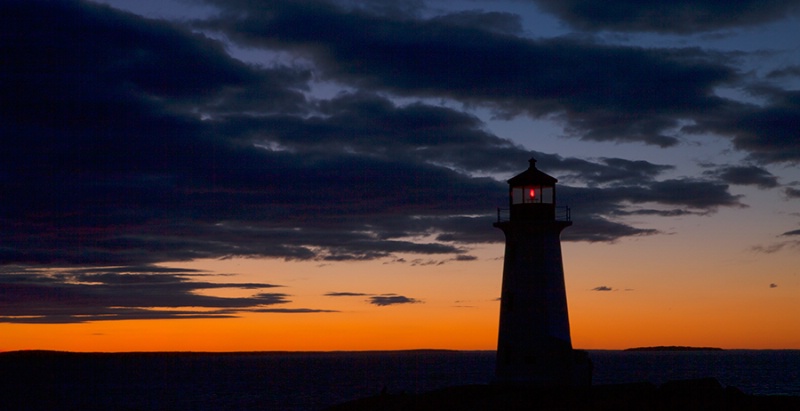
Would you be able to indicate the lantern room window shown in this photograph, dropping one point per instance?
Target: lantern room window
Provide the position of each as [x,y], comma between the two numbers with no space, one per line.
[535,194]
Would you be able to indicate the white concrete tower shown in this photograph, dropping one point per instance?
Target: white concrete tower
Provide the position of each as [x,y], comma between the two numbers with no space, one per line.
[534,345]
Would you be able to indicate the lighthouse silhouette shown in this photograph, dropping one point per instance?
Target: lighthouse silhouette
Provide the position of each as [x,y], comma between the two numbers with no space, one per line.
[534,344]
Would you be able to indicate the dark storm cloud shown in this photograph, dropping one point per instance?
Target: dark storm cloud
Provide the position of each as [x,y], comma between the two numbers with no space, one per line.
[392,299]
[674,16]
[600,92]
[597,212]
[611,171]
[746,175]
[490,21]
[594,208]
[696,194]
[154,145]
[103,154]
[789,71]
[105,164]
[593,228]
[589,86]
[365,124]
[123,293]
[770,133]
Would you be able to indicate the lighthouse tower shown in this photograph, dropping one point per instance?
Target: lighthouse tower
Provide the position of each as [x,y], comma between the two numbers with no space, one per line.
[534,345]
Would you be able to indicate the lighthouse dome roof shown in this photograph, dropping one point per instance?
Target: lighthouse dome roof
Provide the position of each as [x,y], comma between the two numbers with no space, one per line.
[532,176]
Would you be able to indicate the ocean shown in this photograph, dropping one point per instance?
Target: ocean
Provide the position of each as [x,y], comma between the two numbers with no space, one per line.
[311,381]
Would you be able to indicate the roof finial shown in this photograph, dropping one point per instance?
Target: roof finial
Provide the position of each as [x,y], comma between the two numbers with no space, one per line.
[532,162]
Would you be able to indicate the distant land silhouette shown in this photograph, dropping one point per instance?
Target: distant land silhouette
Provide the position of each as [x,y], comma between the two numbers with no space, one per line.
[673,348]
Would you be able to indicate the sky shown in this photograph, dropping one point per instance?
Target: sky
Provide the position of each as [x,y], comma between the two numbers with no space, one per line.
[239,175]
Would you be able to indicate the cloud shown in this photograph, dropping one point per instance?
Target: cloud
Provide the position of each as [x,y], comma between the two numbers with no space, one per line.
[125,293]
[345,294]
[391,299]
[380,300]
[746,175]
[788,71]
[155,145]
[290,310]
[591,228]
[678,16]
[780,245]
[773,285]
[602,288]
[791,192]
[595,209]
[152,181]
[505,23]
[767,132]
[586,85]
[589,86]
[603,171]
[691,193]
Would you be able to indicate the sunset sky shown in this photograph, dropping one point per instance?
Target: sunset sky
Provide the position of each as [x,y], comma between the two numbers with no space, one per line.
[236,175]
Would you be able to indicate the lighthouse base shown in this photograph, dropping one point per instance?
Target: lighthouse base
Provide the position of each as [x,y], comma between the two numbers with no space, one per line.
[555,367]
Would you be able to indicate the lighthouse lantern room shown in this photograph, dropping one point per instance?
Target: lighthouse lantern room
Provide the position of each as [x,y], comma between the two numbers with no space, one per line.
[532,194]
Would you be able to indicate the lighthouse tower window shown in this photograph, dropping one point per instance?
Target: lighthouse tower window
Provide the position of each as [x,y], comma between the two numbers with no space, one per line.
[547,195]
[532,195]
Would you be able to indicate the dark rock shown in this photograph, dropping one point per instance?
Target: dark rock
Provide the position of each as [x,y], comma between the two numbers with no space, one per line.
[688,395]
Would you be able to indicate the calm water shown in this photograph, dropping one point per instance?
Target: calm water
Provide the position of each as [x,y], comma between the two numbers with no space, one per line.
[310,381]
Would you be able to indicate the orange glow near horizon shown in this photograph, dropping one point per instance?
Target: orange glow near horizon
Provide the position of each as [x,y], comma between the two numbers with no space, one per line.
[619,297]
[271,332]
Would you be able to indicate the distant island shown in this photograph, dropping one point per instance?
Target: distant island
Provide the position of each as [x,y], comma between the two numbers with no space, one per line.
[673,348]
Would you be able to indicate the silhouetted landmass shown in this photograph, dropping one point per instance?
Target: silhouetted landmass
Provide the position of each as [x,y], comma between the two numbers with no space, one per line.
[39,380]
[700,394]
[305,381]
[674,348]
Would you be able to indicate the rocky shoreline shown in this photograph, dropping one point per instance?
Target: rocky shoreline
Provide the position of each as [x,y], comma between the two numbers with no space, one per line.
[685,395]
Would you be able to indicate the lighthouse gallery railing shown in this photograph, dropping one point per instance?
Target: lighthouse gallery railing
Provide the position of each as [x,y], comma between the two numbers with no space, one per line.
[563,213]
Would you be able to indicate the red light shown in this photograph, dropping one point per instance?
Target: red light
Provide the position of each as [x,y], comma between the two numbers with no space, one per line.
[532,193]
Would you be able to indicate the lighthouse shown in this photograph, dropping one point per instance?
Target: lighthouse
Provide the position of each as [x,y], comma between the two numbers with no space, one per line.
[534,344]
